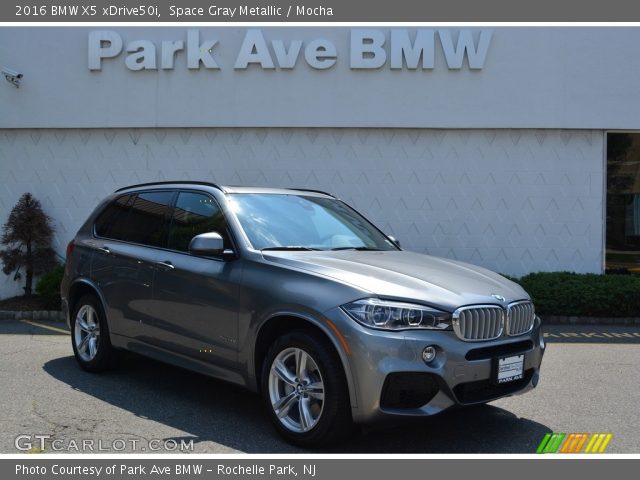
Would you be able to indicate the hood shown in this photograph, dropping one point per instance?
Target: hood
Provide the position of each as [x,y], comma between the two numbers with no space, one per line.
[439,282]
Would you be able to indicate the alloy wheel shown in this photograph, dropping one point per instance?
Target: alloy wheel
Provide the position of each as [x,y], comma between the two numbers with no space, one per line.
[296,390]
[87,333]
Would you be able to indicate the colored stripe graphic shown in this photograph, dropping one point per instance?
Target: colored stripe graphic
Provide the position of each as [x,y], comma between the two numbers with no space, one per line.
[581,443]
[543,443]
[570,438]
[573,442]
[554,443]
[607,439]
[599,437]
[590,444]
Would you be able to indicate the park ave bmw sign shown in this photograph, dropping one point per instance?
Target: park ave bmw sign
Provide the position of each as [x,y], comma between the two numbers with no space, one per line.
[369,49]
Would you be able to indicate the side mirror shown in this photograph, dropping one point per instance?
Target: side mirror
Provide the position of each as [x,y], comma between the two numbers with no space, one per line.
[394,240]
[208,245]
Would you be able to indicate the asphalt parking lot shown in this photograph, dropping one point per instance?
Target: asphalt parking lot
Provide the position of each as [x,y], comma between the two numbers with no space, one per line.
[590,383]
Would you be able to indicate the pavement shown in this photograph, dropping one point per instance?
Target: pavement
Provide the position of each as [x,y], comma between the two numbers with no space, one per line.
[590,383]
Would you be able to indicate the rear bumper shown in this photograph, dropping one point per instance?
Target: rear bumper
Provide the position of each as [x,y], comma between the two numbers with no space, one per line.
[390,378]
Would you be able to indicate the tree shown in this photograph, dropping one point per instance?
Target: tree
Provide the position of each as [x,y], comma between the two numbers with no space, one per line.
[27,234]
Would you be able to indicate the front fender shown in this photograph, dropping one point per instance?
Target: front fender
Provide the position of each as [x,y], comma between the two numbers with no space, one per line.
[330,330]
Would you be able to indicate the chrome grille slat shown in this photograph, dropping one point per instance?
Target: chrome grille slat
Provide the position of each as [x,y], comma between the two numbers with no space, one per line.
[484,318]
[464,325]
[474,324]
[494,323]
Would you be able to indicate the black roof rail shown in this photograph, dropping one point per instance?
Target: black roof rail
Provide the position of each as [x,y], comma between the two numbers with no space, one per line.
[209,184]
[188,182]
[311,190]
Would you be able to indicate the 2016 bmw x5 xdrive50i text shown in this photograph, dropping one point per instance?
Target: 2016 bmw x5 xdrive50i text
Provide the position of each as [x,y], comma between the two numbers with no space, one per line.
[294,294]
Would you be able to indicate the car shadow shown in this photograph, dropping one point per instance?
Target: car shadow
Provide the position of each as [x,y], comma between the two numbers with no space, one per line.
[211,410]
[476,429]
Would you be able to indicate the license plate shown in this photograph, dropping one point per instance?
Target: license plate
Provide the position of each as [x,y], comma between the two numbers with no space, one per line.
[510,369]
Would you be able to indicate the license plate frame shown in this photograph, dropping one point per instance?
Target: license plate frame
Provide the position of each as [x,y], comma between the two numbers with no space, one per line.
[508,369]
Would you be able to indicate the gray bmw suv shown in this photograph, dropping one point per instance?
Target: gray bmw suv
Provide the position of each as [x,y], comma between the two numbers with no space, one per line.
[294,294]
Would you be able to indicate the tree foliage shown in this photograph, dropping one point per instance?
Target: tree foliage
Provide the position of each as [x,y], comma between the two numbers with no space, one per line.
[27,235]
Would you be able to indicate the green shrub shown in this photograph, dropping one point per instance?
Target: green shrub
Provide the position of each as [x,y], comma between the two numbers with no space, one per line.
[48,287]
[589,295]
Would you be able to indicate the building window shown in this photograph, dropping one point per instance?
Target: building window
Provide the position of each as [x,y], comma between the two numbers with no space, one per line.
[623,202]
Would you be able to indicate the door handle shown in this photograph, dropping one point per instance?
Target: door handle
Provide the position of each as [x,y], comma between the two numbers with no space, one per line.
[167,265]
[104,250]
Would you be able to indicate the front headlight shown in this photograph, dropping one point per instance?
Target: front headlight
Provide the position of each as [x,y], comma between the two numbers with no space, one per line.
[388,315]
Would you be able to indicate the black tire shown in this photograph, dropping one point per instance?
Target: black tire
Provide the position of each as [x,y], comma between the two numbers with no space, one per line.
[334,423]
[105,356]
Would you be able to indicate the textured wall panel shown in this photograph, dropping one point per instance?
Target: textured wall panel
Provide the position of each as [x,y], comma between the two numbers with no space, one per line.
[515,201]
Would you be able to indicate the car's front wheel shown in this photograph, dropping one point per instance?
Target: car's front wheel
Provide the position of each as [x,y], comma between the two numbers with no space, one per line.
[305,390]
[90,335]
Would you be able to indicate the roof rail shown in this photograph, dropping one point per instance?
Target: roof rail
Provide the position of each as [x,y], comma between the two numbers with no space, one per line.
[188,182]
[311,190]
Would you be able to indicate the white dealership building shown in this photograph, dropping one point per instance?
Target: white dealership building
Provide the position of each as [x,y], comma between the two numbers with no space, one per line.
[509,147]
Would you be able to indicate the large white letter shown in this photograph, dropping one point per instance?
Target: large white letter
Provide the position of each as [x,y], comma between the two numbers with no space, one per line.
[197,52]
[143,55]
[287,59]
[401,47]
[321,54]
[103,44]
[254,42]
[367,49]
[169,50]
[455,55]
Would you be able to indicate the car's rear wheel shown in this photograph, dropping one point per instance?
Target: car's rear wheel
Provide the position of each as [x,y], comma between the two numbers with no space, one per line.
[305,390]
[90,335]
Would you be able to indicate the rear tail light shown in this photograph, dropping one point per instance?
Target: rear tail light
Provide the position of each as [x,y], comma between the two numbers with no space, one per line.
[70,246]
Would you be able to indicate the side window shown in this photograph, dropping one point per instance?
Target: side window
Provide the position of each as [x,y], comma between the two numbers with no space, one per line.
[113,217]
[195,213]
[147,219]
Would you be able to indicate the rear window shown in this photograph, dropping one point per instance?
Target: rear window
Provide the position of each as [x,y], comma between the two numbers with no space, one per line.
[113,217]
[142,220]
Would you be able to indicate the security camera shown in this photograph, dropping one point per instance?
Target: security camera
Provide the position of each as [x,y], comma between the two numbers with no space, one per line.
[12,77]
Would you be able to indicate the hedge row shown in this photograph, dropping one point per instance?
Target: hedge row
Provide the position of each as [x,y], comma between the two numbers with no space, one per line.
[588,295]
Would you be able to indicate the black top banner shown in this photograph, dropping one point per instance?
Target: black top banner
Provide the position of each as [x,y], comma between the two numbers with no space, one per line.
[348,11]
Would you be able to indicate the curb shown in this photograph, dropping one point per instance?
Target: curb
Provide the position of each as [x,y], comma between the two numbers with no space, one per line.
[55,315]
[566,320]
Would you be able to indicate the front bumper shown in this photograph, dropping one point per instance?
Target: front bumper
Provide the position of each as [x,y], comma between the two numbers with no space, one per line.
[389,377]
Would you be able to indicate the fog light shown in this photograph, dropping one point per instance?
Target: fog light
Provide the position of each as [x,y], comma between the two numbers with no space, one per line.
[429,354]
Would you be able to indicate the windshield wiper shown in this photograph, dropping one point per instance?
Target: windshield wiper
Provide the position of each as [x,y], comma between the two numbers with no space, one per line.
[289,247]
[360,249]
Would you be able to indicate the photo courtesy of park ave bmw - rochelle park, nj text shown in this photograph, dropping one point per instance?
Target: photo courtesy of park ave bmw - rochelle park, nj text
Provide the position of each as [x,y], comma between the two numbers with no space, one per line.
[332,238]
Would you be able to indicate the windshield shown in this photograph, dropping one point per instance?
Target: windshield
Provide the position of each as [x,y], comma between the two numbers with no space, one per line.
[298,222]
